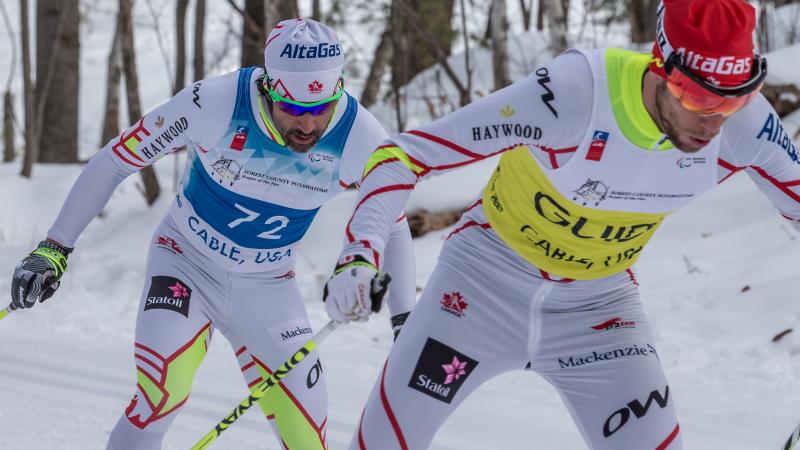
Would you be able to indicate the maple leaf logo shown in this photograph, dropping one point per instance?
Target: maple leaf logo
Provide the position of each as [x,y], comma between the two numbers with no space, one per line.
[454,302]
[179,290]
[507,111]
[454,370]
[159,122]
[315,87]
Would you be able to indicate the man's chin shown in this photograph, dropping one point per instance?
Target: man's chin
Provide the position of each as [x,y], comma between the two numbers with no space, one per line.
[300,147]
[685,145]
[686,148]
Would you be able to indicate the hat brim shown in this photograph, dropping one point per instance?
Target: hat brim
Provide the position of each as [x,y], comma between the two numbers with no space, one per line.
[304,86]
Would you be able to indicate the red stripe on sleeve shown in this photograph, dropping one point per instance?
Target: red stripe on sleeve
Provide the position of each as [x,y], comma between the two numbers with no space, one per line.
[390,188]
[123,158]
[783,186]
[385,161]
[446,143]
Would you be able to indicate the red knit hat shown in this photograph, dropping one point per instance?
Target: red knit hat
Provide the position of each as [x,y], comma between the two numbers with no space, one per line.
[714,37]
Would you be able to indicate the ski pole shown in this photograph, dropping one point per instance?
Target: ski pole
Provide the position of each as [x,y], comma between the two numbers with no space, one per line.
[7,311]
[379,286]
[794,438]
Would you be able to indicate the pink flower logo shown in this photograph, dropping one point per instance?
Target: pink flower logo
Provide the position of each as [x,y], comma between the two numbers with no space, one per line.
[179,290]
[454,370]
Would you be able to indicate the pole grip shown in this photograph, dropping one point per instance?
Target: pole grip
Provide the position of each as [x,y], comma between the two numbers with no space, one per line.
[379,286]
[7,311]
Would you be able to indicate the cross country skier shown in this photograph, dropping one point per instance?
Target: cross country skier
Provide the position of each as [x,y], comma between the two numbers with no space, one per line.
[266,150]
[598,147]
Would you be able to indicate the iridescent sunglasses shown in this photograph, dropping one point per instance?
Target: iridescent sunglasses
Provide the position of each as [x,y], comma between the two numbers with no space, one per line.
[295,108]
[700,96]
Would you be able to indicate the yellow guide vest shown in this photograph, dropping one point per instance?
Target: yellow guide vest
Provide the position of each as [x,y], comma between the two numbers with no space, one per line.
[592,217]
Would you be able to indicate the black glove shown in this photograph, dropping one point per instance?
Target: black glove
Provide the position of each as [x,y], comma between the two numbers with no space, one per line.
[398,321]
[36,276]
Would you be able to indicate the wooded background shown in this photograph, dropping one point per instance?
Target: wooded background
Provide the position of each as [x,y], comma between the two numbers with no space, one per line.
[411,37]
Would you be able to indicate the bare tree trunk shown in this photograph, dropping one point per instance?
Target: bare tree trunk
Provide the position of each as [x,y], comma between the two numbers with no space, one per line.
[316,10]
[280,10]
[58,44]
[199,44]
[526,7]
[9,151]
[422,35]
[31,143]
[254,33]
[113,76]
[8,127]
[540,15]
[466,94]
[125,26]
[259,17]
[383,53]
[556,24]
[430,33]
[400,56]
[499,26]
[764,44]
[642,19]
[180,46]
[417,22]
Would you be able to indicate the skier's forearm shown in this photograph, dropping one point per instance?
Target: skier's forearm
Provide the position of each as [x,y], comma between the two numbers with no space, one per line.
[383,193]
[400,265]
[86,199]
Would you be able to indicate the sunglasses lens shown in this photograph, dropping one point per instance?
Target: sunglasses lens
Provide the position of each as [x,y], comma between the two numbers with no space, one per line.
[298,110]
[699,99]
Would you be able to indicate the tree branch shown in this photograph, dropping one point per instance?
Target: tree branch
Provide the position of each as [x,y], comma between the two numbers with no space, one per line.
[13,66]
[249,22]
[416,22]
[160,42]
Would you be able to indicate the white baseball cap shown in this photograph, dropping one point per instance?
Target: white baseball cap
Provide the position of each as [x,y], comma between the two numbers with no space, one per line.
[304,61]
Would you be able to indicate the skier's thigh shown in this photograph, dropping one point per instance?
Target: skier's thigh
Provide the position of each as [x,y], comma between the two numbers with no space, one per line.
[619,397]
[173,332]
[268,325]
[442,354]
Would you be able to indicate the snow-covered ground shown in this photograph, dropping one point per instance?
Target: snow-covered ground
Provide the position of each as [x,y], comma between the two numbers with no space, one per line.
[67,372]
[718,281]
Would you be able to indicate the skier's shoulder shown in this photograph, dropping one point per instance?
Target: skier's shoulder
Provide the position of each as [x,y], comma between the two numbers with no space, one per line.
[755,135]
[365,135]
[557,96]
[574,66]
[365,123]
[211,94]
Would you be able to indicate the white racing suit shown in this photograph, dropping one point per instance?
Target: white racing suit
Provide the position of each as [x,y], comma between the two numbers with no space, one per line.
[537,274]
[224,257]
[590,339]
